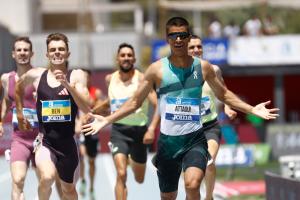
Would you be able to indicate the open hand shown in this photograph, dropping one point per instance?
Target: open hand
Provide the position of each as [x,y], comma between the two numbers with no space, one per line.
[93,127]
[265,113]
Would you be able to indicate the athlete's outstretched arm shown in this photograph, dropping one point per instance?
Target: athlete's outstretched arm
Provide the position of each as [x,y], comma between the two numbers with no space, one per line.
[101,107]
[150,134]
[5,102]
[229,98]
[227,109]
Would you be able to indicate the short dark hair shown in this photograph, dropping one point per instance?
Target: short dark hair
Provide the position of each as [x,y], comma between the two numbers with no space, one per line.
[121,46]
[195,37]
[57,37]
[89,72]
[24,39]
[177,21]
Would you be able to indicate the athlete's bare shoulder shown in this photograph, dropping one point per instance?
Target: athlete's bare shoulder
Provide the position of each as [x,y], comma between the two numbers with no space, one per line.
[4,81]
[207,69]
[140,75]
[34,73]
[4,78]
[76,73]
[108,78]
[154,73]
[216,67]
[155,68]
[78,76]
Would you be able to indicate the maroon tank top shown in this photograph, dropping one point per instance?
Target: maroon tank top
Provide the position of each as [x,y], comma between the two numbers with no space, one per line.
[29,102]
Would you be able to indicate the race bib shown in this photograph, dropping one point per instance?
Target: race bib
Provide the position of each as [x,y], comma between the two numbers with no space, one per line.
[115,104]
[56,111]
[205,106]
[182,109]
[29,114]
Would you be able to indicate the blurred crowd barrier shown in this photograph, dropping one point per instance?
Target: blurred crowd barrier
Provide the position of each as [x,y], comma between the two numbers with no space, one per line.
[279,187]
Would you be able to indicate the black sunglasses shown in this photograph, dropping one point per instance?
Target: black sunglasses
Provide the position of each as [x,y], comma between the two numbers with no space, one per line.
[180,35]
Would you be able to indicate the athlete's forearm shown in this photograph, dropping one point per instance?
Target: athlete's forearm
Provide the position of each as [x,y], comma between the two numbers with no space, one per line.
[4,108]
[127,108]
[19,93]
[155,118]
[98,108]
[235,102]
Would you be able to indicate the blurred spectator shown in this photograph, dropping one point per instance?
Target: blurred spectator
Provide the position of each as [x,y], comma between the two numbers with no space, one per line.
[215,28]
[269,27]
[253,26]
[231,30]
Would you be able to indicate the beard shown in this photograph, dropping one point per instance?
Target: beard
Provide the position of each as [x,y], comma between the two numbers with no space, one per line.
[126,70]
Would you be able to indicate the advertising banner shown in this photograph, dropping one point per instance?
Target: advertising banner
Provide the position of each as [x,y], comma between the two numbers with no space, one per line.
[264,50]
[215,50]
[235,155]
[243,155]
[284,139]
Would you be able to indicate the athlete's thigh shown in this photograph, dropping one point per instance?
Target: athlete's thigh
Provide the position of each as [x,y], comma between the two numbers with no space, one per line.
[213,148]
[67,165]
[20,152]
[138,169]
[91,145]
[213,136]
[120,161]
[197,156]
[45,161]
[168,172]
[138,150]
[18,170]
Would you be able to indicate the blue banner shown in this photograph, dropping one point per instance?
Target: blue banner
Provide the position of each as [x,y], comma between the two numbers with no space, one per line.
[160,49]
[215,50]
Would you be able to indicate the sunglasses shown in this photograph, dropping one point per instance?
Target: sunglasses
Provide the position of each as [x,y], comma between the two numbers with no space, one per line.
[180,35]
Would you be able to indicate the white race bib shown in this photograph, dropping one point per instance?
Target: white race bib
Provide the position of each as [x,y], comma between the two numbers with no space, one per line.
[115,104]
[182,109]
[29,114]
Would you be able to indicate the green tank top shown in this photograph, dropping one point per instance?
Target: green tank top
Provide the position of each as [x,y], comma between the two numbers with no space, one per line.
[179,97]
[119,93]
[208,104]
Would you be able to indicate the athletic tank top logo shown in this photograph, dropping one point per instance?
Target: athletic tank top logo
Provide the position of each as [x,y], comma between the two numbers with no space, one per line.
[56,111]
[205,106]
[115,104]
[195,75]
[29,114]
[182,109]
